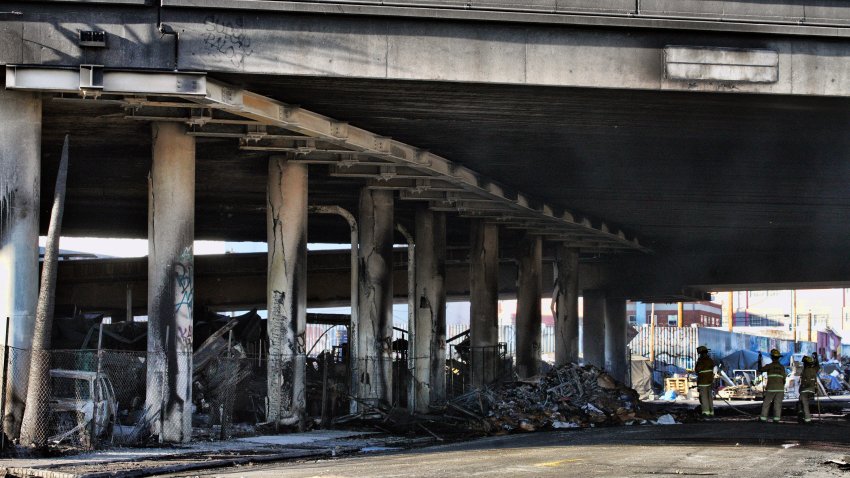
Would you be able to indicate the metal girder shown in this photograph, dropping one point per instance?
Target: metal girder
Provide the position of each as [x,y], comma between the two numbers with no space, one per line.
[414,185]
[247,109]
[386,171]
[94,80]
[343,160]
[442,196]
[461,206]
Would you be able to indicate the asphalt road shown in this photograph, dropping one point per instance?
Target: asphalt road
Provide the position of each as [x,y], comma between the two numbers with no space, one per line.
[739,448]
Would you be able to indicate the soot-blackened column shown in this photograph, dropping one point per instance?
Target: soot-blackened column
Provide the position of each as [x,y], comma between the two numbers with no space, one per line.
[286,293]
[20,172]
[566,306]
[593,328]
[528,316]
[483,301]
[373,364]
[171,288]
[430,331]
[616,360]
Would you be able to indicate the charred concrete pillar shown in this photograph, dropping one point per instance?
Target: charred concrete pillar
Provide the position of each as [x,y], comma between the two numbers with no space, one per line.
[286,293]
[528,318]
[593,325]
[20,171]
[429,335]
[375,332]
[616,361]
[566,305]
[484,301]
[171,234]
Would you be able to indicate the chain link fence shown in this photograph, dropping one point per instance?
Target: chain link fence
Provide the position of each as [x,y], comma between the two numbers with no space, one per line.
[98,399]
[108,398]
[87,397]
[472,367]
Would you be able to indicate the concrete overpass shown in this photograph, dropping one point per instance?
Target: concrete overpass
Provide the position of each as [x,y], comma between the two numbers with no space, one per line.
[648,149]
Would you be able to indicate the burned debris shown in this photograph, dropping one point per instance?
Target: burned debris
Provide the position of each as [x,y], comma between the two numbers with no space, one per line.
[571,396]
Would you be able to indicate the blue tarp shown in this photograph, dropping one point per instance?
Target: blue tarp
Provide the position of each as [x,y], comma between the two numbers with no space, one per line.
[748,360]
[830,382]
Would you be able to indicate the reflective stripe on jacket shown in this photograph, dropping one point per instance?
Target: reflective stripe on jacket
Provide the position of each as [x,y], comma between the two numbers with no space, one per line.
[809,378]
[775,377]
[705,371]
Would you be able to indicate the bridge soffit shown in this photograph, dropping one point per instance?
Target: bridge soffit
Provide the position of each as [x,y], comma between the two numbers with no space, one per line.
[259,123]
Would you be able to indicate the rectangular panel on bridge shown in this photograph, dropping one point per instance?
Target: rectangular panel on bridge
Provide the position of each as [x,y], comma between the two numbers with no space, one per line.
[721,64]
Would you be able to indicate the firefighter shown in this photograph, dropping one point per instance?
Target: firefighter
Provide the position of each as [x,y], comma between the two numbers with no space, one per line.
[774,391]
[808,384]
[705,381]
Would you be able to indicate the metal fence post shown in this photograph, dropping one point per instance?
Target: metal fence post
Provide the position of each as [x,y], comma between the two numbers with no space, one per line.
[3,387]
[96,395]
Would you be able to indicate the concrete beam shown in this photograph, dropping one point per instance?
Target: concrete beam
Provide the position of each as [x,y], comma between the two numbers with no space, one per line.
[238,281]
[171,224]
[689,274]
[435,50]
[20,171]
[777,17]
[555,48]
[286,215]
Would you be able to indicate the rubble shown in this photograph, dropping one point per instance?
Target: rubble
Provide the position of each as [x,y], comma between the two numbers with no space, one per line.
[571,396]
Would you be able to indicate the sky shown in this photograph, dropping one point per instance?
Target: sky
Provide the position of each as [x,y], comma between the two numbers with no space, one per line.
[139,247]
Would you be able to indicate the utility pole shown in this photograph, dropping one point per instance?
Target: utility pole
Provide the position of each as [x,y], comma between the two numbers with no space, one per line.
[731,311]
[809,327]
[652,334]
[794,317]
[681,322]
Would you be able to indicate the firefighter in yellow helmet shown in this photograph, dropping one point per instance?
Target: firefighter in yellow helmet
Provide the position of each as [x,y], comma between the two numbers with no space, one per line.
[705,381]
[774,391]
[808,384]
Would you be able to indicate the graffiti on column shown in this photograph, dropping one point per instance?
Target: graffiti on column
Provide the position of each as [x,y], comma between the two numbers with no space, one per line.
[180,357]
[184,291]
[276,372]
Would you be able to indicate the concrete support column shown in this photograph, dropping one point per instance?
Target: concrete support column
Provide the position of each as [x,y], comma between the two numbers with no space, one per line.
[375,332]
[528,318]
[20,171]
[484,301]
[171,234]
[566,306]
[286,293]
[593,333]
[429,335]
[616,361]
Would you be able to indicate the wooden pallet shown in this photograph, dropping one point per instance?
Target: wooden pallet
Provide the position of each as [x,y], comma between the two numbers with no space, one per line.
[680,384]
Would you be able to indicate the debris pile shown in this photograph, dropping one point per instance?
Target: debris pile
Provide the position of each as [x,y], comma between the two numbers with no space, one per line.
[571,396]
